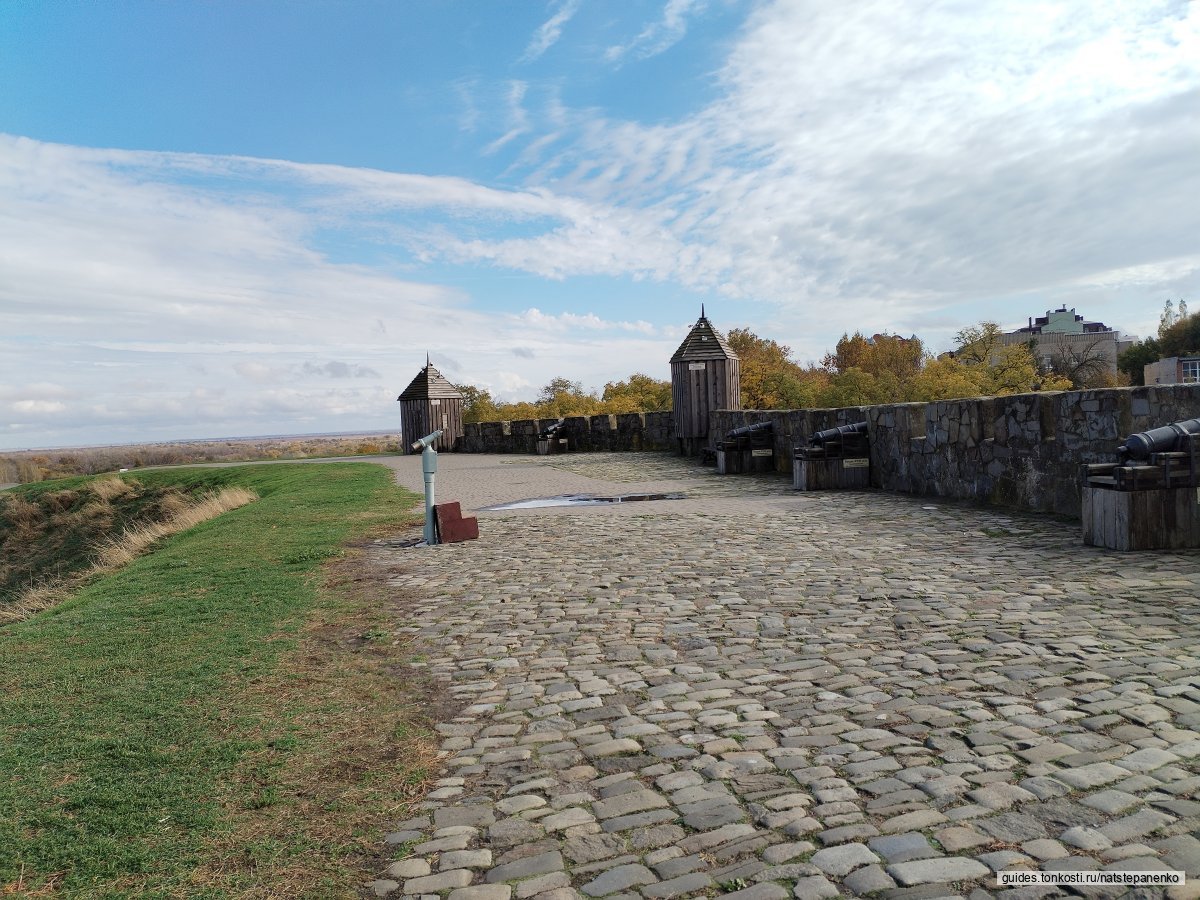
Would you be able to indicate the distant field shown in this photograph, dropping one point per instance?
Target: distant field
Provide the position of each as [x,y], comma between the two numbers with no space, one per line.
[221,717]
[26,466]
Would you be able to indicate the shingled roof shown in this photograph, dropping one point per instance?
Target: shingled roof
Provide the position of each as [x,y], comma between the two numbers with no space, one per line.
[430,384]
[703,342]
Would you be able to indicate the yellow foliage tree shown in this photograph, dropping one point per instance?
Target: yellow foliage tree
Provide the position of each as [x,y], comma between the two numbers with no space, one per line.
[639,393]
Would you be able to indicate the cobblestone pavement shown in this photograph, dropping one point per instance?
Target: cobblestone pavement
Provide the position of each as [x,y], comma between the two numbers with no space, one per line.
[761,694]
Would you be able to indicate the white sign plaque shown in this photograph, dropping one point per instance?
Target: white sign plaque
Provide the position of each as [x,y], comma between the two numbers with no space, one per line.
[762,452]
[859,463]
[696,367]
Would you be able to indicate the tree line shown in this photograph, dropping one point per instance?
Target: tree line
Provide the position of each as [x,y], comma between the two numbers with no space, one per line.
[861,371]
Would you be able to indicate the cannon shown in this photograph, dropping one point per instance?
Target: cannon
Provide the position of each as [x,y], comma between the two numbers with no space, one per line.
[549,440]
[749,431]
[838,434]
[836,458]
[550,430]
[1166,439]
[749,448]
[1147,500]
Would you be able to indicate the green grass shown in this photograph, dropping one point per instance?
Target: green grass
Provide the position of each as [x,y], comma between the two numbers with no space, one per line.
[144,720]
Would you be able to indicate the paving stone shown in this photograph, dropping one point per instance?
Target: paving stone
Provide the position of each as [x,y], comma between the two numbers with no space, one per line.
[764,891]
[383,887]
[567,818]
[804,678]
[689,883]
[612,747]
[551,861]
[814,887]
[1085,838]
[1091,776]
[961,837]
[618,879]
[591,847]
[941,869]
[925,818]
[1012,828]
[869,880]
[465,859]
[463,815]
[999,860]
[482,892]
[781,853]
[1131,827]
[896,848]
[541,885]
[1111,801]
[1147,760]
[408,868]
[843,859]
[1045,849]
[433,884]
[624,804]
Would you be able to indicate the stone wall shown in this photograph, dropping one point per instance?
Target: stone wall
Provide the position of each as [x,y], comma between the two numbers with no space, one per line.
[1024,451]
[628,431]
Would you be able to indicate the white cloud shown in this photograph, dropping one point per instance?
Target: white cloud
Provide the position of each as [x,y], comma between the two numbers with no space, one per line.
[660,35]
[880,165]
[550,31]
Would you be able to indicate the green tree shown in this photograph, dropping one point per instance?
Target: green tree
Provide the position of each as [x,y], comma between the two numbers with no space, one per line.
[1133,360]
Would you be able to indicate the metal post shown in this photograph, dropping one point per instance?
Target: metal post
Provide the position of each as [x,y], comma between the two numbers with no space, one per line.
[429,469]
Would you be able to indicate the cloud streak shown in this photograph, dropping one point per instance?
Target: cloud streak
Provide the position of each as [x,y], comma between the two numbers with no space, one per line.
[550,31]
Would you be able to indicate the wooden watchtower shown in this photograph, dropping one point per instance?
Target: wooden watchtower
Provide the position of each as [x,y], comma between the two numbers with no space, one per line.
[705,376]
[431,402]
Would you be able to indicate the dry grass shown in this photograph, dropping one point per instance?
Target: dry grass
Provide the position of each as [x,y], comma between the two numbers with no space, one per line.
[366,753]
[118,551]
[110,488]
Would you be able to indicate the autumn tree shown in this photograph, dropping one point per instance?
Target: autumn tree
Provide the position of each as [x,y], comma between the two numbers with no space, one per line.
[770,378]
[562,397]
[891,361]
[638,393]
[478,405]
[1181,338]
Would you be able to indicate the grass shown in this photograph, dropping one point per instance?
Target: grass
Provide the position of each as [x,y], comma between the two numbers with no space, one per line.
[221,717]
[52,545]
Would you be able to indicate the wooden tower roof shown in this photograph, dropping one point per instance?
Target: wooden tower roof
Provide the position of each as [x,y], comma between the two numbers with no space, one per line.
[430,384]
[703,342]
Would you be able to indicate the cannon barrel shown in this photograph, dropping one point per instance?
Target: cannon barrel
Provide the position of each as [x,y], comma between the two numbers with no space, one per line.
[1157,440]
[551,430]
[747,430]
[833,434]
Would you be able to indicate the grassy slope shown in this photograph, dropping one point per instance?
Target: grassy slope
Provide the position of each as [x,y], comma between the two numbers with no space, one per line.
[120,743]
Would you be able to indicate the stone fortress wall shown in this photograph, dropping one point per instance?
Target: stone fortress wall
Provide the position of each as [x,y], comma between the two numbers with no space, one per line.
[1023,451]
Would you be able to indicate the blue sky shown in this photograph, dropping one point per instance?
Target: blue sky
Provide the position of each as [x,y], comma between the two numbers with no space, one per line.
[242,218]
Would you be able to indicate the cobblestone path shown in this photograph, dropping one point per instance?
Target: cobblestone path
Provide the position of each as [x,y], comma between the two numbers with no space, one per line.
[760,694]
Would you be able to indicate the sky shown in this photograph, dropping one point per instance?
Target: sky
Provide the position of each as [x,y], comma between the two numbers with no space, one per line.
[244,218]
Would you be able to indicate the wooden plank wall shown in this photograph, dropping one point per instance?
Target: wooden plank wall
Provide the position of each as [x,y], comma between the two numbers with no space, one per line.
[695,394]
[419,417]
[1166,519]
